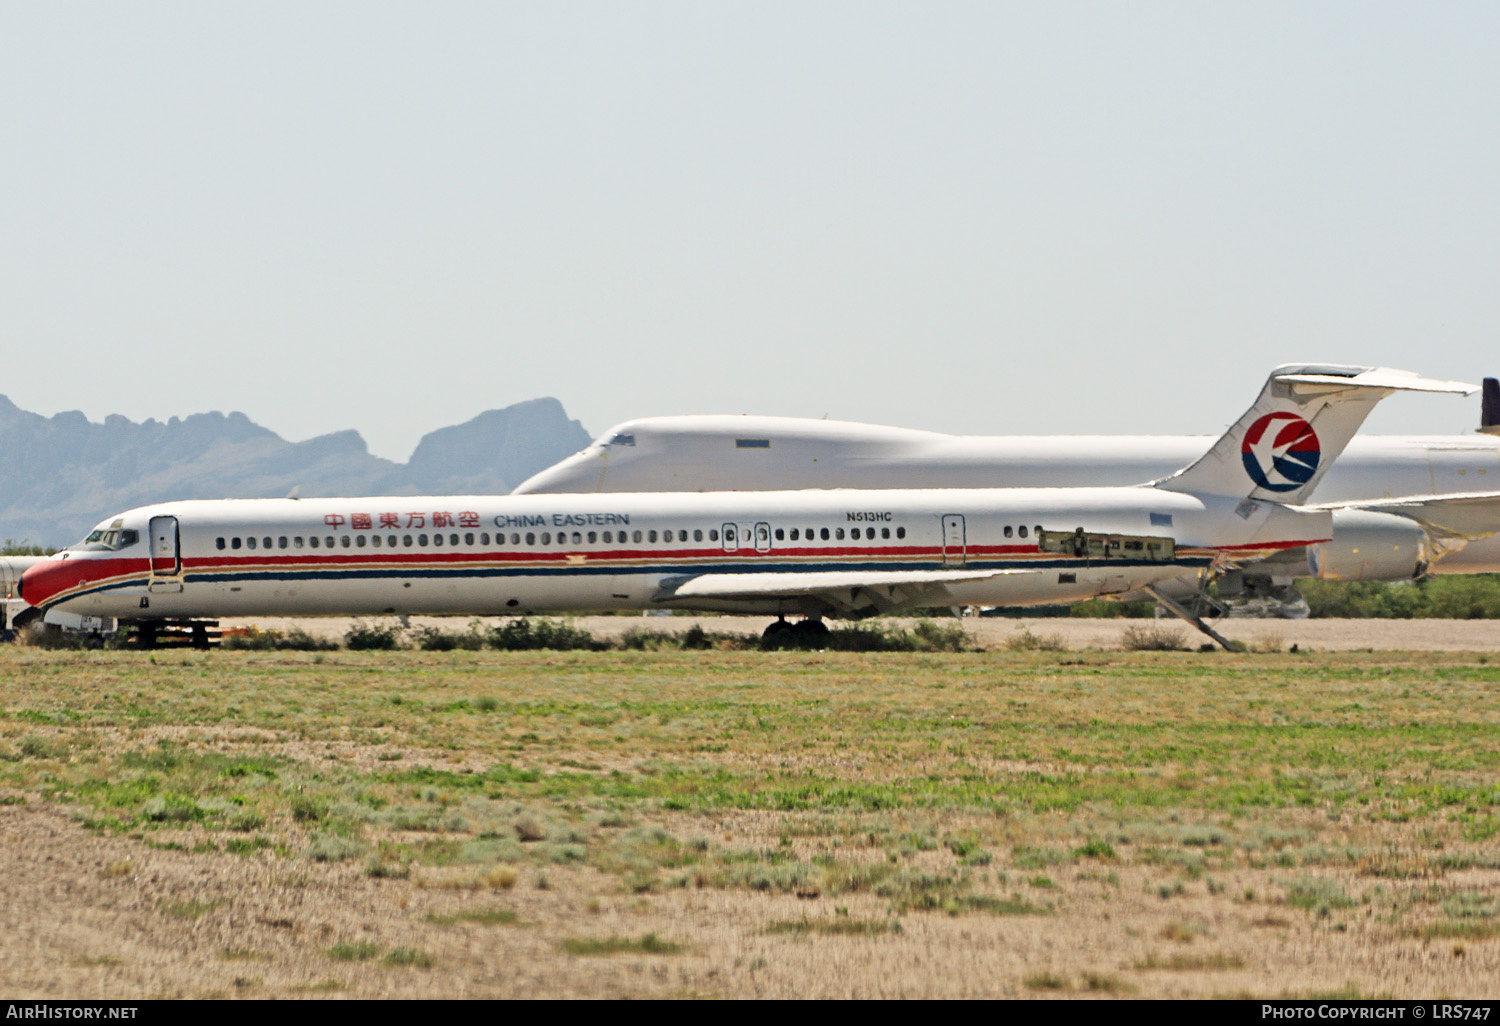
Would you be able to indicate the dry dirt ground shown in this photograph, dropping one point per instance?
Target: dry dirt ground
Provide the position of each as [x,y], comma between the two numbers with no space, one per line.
[89,915]
[85,916]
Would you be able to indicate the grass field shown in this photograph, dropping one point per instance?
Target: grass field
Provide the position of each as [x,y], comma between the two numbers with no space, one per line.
[475,824]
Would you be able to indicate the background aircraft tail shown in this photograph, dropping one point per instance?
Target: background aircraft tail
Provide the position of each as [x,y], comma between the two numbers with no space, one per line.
[1282,446]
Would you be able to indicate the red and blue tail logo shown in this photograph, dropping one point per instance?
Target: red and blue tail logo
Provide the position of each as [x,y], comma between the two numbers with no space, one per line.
[1280,452]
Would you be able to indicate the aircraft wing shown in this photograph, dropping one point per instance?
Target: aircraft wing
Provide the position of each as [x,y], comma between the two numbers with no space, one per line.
[842,590]
[1458,515]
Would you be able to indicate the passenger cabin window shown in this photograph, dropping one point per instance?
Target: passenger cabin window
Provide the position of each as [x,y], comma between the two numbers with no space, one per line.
[1023,530]
[218,543]
[359,540]
[234,543]
[250,543]
[344,540]
[713,534]
[1008,531]
[900,532]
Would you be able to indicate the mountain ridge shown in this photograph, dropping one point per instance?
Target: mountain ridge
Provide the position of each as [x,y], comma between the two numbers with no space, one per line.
[61,475]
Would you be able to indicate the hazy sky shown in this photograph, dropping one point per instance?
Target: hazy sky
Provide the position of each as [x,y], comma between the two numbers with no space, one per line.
[977,217]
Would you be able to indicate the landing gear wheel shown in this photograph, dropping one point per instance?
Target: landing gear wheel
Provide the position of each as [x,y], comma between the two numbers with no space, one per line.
[776,633]
[810,634]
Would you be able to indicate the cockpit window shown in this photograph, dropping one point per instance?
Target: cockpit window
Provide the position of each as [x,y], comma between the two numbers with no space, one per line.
[621,439]
[111,540]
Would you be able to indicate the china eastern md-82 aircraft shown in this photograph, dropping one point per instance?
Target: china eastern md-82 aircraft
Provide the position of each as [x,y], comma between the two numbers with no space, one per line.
[1380,531]
[839,553]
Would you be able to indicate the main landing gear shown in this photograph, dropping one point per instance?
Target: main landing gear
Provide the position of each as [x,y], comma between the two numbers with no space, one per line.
[805,634]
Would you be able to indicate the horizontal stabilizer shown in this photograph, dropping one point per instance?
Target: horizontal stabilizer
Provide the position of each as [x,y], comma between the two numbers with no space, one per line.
[840,590]
[1316,380]
[1466,515]
[1282,446]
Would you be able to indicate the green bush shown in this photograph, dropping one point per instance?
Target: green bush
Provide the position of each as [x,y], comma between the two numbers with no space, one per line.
[1103,609]
[524,635]
[693,639]
[431,639]
[294,640]
[373,636]
[1461,597]
[1152,637]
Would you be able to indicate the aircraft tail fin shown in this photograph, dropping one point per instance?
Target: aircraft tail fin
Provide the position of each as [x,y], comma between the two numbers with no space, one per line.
[1282,446]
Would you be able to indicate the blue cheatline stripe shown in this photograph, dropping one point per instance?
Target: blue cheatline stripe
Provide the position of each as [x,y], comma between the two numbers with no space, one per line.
[686,569]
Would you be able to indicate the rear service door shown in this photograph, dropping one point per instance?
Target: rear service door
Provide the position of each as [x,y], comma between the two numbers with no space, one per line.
[953,540]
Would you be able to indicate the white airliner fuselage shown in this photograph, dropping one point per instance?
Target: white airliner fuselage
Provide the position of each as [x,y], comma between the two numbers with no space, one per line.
[821,553]
[483,554]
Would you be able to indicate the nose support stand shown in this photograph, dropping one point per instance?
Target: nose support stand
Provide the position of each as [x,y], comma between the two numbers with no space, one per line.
[1177,609]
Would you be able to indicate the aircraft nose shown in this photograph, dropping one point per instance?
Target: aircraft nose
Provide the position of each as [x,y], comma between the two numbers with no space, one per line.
[44,581]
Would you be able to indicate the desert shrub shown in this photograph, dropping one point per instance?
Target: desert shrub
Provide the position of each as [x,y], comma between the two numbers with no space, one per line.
[940,637]
[1103,609]
[35,747]
[1317,894]
[366,636]
[1027,641]
[294,640]
[48,636]
[1361,599]
[432,639]
[1152,637]
[695,638]
[1462,597]
[525,634]
[326,847]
